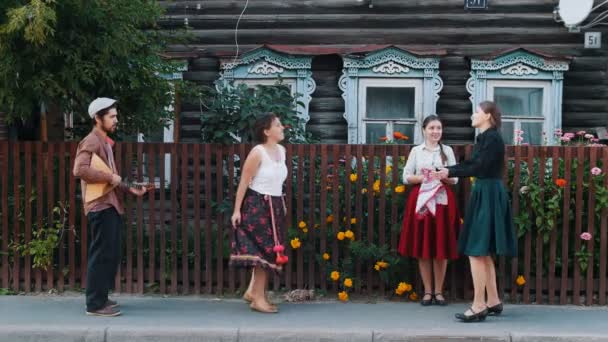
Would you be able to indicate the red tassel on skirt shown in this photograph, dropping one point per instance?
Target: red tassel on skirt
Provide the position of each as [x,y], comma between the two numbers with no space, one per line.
[430,237]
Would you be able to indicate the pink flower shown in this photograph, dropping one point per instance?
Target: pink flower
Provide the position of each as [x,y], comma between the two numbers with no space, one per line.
[586,236]
[569,135]
[519,139]
[565,139]
[525,144]
[595,140]
[581,133]
[597,145]
[596,171]
[589,136]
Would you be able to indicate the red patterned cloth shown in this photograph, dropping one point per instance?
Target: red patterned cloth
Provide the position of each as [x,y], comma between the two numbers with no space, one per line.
[430,236]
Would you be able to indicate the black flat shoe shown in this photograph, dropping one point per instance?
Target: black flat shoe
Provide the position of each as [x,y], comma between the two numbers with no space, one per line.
[440,302]
[475,317]
[495,310]
[427,302]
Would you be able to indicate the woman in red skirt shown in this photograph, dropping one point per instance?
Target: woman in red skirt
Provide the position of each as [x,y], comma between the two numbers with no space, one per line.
[431,221]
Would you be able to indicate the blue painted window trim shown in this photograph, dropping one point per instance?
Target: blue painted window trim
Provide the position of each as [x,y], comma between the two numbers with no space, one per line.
[389,63]
[264,64]
[521,65]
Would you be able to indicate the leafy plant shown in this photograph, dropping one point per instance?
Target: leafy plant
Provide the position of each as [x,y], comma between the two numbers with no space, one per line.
[231,112]
[65,53]
[45,240]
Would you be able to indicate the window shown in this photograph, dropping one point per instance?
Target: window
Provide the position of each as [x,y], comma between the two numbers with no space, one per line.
[388,106]
[387,91]
[268,82]
[163,135]
[264,66]
[527,87]
[524,107]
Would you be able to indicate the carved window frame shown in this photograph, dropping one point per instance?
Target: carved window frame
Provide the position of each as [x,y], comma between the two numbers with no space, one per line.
[261,65]
[525,67]
[391,64]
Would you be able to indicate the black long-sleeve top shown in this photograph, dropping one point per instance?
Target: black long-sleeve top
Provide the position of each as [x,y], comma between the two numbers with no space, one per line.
[487,160]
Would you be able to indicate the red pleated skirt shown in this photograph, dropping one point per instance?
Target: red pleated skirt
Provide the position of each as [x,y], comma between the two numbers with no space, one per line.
[430,237]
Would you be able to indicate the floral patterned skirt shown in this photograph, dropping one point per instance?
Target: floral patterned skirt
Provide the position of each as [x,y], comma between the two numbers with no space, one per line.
[254,238]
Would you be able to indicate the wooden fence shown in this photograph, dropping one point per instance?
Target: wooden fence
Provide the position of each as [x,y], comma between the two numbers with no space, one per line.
[176,241]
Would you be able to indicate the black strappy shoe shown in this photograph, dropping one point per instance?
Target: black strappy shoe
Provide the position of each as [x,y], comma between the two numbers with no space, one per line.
[427,302]
[495,310]
[475,317]
[440,302]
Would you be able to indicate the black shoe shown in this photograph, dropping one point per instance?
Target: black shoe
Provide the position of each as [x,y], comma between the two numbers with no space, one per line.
[475,317]
[427,302]
[495,310]
[440,302]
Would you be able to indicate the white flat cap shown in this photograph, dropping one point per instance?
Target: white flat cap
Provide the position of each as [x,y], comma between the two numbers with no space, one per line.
[99,104]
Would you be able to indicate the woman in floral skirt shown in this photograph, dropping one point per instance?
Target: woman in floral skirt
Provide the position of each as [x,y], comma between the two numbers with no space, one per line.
[258,219]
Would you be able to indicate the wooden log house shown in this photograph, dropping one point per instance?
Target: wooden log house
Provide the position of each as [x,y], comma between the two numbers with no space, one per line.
[367,68]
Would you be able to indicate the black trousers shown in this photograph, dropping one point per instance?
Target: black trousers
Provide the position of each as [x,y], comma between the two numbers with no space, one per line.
[104,255]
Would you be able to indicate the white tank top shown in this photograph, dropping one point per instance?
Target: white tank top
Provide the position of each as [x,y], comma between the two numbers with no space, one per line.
[271,174]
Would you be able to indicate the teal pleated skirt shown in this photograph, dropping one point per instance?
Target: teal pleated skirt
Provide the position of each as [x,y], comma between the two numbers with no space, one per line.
[488,222]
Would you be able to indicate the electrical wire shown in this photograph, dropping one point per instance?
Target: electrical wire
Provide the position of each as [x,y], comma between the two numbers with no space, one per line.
[236,32]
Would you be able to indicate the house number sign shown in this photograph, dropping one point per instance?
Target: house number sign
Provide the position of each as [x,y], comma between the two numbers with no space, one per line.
[593,40]
[475,4]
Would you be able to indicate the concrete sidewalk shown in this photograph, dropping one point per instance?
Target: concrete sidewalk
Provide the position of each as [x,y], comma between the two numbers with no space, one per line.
[59,318]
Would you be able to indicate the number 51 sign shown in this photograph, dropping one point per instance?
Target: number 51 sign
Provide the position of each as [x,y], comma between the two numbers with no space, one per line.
[475,4]
[593,40]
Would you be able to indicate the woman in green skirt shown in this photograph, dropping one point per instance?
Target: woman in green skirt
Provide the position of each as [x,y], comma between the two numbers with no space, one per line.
[488,222]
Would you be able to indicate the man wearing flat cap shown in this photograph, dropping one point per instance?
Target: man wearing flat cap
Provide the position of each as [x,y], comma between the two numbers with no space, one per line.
[103,213]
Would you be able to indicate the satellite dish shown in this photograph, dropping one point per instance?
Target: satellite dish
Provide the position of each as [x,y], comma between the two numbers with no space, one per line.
[574,12]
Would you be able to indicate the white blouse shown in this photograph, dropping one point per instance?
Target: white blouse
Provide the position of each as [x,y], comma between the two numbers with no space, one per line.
[271,174]
[422,157]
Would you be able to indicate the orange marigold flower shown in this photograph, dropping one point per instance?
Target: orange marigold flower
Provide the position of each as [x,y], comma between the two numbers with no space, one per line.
[353,177]
[335,275]
[560,182]
[400,189]
[326,256]
[295,243]
[343,296]
[377,267]
[329,219]
[353,221]
[349,234]
[302,224]
[413,296]
[348,282]
[341,236]
[376,186]
[521,281]
[384,138]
